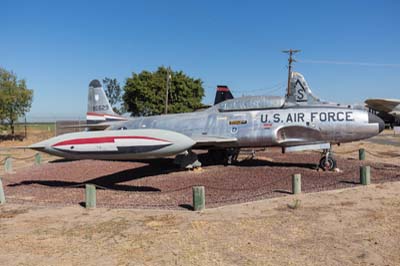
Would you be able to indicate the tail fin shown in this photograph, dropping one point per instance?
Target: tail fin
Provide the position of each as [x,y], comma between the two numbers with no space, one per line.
[99,108]
[223,94]
[300,92]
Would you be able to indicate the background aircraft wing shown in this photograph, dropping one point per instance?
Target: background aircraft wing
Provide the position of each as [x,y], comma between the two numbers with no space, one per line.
[212,141]
[99,126]
[385,105]
[296,135]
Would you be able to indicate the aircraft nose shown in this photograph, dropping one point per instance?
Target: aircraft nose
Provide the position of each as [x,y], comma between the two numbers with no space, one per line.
[375,119]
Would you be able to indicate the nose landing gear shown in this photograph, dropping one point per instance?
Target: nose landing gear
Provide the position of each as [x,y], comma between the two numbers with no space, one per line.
[327,162]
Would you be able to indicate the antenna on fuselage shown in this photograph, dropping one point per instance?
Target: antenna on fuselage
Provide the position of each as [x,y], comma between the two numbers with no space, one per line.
[291,52]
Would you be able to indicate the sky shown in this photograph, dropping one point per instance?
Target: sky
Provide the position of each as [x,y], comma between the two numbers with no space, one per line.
[349,49]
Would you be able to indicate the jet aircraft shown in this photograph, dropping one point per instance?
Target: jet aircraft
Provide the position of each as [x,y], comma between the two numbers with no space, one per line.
[387,109]
[296,122]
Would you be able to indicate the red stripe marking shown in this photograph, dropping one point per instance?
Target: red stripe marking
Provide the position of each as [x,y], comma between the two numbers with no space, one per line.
[102,140]
[102,115]
[223,89]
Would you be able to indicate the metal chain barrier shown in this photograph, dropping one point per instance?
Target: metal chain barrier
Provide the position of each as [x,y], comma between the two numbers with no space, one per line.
[243,189]
[386,167]
[23,158]
[381,155]
[346,152]
[243,198]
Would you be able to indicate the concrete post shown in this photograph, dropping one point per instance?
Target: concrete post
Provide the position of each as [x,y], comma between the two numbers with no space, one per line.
[38,158]
[365,175]
[2,195]
[199,198]
[361,154]
[8,165]
[296,183]
[90,196]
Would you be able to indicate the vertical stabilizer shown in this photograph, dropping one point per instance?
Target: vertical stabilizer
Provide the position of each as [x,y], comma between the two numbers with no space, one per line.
[99,108]
[223,93]
[300,92]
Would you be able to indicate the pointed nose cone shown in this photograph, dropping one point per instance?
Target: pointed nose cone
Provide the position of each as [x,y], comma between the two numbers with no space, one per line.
[375,119]
[40,146]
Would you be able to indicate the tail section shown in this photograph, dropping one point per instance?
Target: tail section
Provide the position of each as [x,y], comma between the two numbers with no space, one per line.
[99,108]
[223,94]
[300,92]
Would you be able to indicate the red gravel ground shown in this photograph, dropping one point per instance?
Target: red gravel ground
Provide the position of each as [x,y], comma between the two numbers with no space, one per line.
[159,184]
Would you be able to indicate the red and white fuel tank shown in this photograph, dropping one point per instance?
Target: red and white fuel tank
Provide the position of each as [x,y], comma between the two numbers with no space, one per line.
[116,144]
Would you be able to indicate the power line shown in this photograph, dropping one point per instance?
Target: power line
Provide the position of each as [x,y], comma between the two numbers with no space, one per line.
[328,62]
[273,88]
[269,89]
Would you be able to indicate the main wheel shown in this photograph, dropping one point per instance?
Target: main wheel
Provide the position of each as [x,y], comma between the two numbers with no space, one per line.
[327,164]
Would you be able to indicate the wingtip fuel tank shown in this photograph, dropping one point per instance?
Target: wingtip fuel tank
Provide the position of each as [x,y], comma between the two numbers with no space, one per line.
[116,144]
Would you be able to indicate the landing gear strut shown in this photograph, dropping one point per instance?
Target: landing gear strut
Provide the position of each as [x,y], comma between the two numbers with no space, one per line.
[327,162]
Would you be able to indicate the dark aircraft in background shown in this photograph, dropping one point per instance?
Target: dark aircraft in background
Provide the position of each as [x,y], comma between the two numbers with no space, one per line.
[387,109]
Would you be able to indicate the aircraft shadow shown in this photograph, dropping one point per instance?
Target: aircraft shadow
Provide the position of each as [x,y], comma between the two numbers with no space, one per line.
[350,182]
[256,162]
[208,161]
[282,191]
[113,180]
[205,160]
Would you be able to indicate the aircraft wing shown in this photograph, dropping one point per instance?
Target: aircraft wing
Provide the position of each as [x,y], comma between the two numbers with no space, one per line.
[385,105]
[212,141]
[297,135]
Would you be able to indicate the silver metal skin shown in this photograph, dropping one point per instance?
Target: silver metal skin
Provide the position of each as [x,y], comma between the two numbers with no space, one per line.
[265,128]
[298,120]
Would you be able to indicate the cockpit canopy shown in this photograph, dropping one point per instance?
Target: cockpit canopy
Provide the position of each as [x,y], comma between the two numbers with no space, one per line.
[251,103]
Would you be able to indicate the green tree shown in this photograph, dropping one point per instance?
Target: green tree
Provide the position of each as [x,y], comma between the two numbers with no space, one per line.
[144,93]
[114,94]
[15,98]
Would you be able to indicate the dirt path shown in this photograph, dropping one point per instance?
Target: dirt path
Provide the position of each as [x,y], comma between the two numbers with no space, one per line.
[355,226]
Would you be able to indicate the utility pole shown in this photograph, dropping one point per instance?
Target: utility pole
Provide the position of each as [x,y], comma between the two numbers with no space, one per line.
[25,126]
[167,89]
[291,52]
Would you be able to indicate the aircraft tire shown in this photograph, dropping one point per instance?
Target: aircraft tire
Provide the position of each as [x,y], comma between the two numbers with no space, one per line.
[327,165]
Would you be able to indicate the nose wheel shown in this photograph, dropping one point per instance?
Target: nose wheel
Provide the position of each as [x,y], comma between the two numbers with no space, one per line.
[327,162]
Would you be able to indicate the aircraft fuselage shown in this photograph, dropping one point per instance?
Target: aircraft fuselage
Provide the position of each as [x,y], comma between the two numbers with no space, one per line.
[263,128]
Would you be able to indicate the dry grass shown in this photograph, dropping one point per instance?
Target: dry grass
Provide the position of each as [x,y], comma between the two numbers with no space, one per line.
[358,226]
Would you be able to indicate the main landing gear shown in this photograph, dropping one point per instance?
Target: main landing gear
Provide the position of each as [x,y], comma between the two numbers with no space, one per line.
[225,156]
[327,162]
[187,160]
